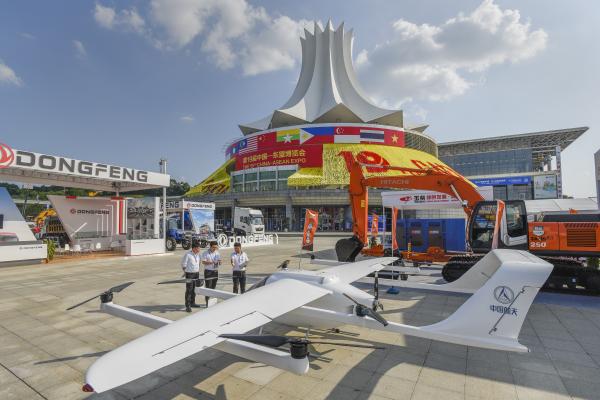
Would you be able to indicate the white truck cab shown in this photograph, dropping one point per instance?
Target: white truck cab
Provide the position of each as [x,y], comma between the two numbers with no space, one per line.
[248,221]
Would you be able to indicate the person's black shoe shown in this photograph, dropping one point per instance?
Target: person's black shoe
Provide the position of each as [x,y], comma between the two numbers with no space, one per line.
[195,305]
[188,309]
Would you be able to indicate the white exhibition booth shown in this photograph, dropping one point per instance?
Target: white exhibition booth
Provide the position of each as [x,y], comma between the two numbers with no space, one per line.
[135,223]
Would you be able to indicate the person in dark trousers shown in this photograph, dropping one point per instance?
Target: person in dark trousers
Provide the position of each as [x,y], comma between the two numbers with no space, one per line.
[190,264]
[211,259]
[239,262]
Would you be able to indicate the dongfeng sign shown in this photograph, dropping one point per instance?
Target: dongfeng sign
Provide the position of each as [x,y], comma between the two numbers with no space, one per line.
[20,163]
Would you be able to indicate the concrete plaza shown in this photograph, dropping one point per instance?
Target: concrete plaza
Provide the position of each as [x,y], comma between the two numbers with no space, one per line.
[45,350]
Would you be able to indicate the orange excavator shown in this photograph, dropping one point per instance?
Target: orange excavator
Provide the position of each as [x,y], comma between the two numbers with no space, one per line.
[563,240]
[440,179]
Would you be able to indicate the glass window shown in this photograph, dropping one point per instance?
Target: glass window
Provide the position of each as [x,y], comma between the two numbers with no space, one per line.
[516,219]
[267,185]
[282,184]
[238,188]
[251,176]
[268,175]
[286,173]
[251,187]
[238,178]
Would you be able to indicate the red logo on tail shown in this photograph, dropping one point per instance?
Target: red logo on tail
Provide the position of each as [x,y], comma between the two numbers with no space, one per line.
[7,156]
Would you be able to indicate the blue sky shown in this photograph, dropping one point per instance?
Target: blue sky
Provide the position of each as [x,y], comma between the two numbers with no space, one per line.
[130,82]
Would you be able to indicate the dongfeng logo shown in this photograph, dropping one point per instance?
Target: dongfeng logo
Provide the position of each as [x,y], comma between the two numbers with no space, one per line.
[73,211]
[7,156]
[504,294]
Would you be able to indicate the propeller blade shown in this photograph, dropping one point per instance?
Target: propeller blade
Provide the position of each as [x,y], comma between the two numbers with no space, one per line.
[83,302]
[265,340]
[118,288]
[114,289]
[356,302]
[173,281]
[363,346]
[377,317]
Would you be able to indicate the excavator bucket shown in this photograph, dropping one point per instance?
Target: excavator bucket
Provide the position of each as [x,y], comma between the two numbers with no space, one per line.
[347,249]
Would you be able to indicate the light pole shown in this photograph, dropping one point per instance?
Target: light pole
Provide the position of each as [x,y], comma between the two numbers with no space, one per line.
[163,170]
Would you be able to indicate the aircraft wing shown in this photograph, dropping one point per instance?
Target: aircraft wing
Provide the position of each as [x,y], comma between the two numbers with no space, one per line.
[351,272]
[189,335]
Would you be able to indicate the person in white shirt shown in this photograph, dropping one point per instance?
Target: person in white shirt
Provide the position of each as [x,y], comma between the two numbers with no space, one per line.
[211,259]
[190,264]
[239,262]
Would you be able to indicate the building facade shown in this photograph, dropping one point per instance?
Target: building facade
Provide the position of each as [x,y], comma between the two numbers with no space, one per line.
[519,167]
[297,156]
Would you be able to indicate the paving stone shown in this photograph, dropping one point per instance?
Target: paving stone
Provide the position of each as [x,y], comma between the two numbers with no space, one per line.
[574,371]
[451,381]
[332,391]
[579,389]
[391,387]
[293,385]
[258,374]
[528,363]
[425,392]
[356,378]
[536,385]
[18,391]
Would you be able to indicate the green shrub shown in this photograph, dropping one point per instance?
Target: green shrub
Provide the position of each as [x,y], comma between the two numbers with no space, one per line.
[51,248]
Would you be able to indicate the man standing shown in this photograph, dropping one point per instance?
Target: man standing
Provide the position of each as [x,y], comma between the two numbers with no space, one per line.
[191,268]
[211,259]
[239,261]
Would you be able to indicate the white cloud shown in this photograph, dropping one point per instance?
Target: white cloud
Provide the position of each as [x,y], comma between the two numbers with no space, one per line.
[438,62]
[128,20]
[187,119]
[231,32]
[80,51]
[8,76]
[27,35]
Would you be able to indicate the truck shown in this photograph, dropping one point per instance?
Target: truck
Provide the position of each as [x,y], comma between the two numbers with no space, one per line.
[562,240]
[248,221]
[188,221]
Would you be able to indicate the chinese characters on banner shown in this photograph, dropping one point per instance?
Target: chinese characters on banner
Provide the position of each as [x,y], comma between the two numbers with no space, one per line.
[311,220]
[394,221]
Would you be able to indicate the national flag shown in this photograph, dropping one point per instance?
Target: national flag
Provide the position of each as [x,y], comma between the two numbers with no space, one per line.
[346,135]
[317,135]
[288,136]
[372,136]
[394,138]
[248,145]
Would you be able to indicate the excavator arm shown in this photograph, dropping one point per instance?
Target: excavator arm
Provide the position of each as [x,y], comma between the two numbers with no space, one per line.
[438,180]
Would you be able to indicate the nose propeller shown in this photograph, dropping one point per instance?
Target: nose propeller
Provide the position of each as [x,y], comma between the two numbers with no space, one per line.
[363,311]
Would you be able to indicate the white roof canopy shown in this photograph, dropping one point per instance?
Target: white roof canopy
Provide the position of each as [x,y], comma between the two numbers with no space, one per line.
[327,89]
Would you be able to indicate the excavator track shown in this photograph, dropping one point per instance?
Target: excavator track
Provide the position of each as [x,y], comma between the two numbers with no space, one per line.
[569,273]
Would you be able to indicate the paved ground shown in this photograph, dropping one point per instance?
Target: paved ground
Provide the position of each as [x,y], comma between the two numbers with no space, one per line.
[44,350]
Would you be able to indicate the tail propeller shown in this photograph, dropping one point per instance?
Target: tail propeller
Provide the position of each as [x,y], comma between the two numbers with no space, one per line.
[363,311]
[298,345]
[108,293]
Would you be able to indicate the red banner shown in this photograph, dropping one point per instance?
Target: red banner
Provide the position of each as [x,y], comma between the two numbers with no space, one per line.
[394,221]
[304,156]
[311,220]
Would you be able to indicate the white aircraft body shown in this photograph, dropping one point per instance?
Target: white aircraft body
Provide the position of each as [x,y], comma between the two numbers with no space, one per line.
[491,318]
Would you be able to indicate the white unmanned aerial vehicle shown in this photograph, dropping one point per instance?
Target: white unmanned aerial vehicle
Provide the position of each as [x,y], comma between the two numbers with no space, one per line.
[491,318]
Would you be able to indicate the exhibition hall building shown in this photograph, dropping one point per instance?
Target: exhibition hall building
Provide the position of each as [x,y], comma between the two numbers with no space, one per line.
[296,157]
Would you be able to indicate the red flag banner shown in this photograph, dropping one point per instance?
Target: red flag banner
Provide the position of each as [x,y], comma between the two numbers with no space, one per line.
[394,221]
[311,220]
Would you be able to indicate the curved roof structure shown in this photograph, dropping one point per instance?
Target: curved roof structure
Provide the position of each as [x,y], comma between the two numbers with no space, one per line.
[327,89]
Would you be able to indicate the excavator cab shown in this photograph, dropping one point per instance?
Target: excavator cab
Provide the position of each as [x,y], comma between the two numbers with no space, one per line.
[512,229]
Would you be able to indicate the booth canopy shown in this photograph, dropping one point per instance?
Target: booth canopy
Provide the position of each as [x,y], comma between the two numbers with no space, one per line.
[24,166]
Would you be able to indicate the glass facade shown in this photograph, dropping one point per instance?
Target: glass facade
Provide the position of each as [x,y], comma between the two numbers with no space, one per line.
[491,163]
[263,179]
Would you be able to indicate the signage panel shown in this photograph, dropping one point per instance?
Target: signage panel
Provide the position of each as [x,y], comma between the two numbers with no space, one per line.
[13,158]
[509,180]
[545,187]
